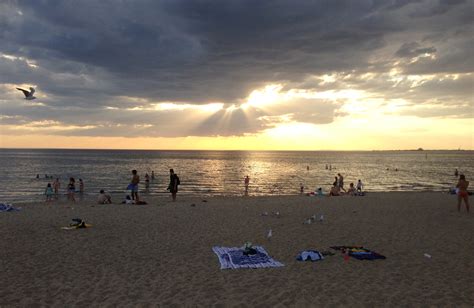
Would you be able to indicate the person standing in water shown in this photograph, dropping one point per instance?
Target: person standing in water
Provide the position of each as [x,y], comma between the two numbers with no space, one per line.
[147,181]
[56,186]
[173,186]
[456,172]
[462,193]
[71,189]
[246,183]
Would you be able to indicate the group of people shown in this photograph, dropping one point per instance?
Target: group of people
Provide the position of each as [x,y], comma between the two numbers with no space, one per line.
[133,187]
[52,189]
[338,189]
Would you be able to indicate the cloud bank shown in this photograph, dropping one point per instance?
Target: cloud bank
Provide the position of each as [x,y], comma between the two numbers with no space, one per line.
[190,68]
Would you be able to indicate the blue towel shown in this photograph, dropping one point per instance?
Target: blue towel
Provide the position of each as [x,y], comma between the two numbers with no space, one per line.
[7,208]
[234,257]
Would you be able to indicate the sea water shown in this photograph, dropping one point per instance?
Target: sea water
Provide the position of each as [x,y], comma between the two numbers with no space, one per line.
[206,173]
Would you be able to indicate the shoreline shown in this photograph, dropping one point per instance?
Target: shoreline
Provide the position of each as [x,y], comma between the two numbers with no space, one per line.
[91,197]
[161,253]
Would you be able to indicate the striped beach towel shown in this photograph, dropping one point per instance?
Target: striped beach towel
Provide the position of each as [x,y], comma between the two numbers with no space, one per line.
[234,257]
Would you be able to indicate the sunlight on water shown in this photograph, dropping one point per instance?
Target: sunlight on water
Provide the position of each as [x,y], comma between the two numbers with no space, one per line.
[222,173]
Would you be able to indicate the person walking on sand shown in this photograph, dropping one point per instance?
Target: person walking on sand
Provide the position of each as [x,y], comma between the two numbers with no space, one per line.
[48,192]
[56,186]
[133,186]
[341,182]
[463,194]
[71,189]
[359,186]
[174,182]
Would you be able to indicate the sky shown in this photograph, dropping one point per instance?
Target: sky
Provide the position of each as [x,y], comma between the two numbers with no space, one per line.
[237,74]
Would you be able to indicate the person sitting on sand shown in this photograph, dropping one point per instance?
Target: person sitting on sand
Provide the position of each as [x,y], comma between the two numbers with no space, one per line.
[462,193]
[352,190]
[104,198]
[335,191]
[319,192]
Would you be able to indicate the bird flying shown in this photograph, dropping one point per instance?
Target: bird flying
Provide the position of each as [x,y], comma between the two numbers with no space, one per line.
[28,94]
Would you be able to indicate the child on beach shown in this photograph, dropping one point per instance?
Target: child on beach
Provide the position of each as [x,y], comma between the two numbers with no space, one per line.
[81,186]
[48,192]
[359,186]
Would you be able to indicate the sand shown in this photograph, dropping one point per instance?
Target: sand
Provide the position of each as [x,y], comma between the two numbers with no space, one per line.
[160,253]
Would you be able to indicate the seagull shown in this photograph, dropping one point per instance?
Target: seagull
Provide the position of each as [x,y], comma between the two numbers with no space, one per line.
[28,94]
[269,235]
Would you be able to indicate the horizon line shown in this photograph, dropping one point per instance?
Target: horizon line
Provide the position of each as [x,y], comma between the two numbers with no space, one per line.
[234,150]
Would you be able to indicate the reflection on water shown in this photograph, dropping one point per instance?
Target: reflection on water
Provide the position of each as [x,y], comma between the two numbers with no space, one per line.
[223,172]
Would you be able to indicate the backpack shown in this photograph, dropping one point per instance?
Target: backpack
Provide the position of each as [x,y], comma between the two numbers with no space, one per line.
[177,181]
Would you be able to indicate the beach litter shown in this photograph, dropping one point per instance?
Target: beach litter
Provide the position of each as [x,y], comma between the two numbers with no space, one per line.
[77,223]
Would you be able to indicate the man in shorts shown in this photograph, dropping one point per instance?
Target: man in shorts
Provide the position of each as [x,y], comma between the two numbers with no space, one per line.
[133,186]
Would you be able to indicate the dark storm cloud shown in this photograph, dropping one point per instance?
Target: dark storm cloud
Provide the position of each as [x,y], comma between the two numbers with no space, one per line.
[96,54]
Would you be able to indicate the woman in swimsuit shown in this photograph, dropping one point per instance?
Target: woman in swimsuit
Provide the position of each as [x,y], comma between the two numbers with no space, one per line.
[463,194]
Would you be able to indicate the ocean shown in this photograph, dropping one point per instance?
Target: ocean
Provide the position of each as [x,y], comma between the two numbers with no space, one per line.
[207,173]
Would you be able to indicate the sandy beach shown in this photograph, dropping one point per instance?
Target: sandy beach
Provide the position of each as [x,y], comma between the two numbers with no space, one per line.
[161,253]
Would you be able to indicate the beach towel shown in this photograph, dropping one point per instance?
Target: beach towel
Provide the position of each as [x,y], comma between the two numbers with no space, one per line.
[359,252]
[234,257]
[310,255]
[8,208]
